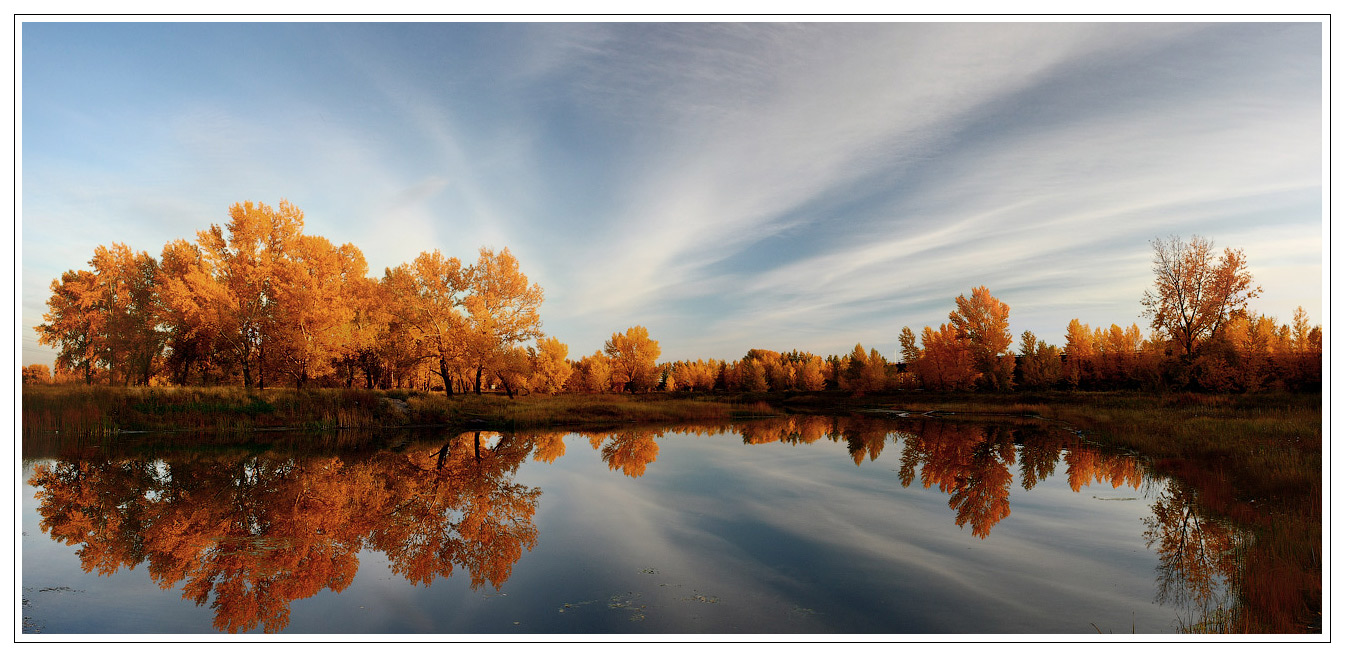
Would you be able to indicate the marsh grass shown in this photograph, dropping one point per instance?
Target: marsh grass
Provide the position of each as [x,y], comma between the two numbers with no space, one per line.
[539,411]
[94,411]
[1255,460]
[104,411]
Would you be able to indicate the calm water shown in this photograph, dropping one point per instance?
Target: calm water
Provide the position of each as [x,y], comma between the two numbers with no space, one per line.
[802,524]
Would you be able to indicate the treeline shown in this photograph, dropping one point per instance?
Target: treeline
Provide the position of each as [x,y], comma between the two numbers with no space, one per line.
[258,302]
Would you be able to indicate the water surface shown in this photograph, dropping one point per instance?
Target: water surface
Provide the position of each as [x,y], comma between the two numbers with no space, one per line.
[788,525]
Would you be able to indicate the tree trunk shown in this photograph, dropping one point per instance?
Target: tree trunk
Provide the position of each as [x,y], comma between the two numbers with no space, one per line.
[443,455]
[448,380]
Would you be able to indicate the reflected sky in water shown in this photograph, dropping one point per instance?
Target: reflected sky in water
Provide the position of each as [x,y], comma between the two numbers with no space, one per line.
[705,534]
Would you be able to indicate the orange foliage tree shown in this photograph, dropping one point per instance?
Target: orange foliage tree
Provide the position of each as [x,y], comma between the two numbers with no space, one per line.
[230,287]
[36,374]
[69,323]
[502,310]
[550,369]
[982,321]
[429,295]
[314,287]
[945,360]
[1193,293]
[1041,366]
[634,357]
[106,318]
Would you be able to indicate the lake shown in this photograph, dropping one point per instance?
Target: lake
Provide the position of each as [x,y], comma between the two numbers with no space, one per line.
[799,524]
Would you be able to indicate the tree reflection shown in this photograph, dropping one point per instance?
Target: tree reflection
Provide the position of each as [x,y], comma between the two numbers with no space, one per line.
[629,451]
[864,437]
[970,463]
[1196,555]
[458,507]
[249,535]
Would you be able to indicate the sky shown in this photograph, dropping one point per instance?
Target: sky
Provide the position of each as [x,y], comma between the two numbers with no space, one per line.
[729,186]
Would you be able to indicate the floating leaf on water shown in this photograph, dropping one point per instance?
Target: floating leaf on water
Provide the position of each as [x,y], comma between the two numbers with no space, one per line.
[572,605]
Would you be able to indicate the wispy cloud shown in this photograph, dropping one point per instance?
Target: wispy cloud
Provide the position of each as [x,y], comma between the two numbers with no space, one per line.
[732,185]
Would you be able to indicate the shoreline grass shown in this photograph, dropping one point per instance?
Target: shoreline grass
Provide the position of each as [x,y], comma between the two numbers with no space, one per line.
[101,411]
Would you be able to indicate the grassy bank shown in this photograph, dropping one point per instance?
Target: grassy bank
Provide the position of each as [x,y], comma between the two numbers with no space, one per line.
[100,411]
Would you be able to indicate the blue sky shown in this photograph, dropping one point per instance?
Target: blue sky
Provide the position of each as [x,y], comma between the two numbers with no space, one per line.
[728,186]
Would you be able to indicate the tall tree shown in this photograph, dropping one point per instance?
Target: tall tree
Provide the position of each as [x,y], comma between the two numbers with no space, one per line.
[1079,352]
[983,321]
[430,293]
[550,368]
[502,309]
[946,361]
[69,323]
[592,373]
[1194,293]
[233,285]
[192,340]
[126,282]
[106,317]
[633,357]
[313,287]
[1041,362]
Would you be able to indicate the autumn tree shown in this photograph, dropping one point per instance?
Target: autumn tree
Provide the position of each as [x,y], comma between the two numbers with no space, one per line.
[550,369]
[752,375]
[502,309]
[910,351]
[192,340]
[810,375]
[69,323]
[312,288]
[228,283]
[633,357]
[866,372]
[430,293]
[699,375]
[593,373]
[1116,354]
[36,374]
[132,340]
[1078,352]
[370,315]
[1194,293]
[1041,366]
[512,367]
[983,322]
[106,317]
[946,361]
